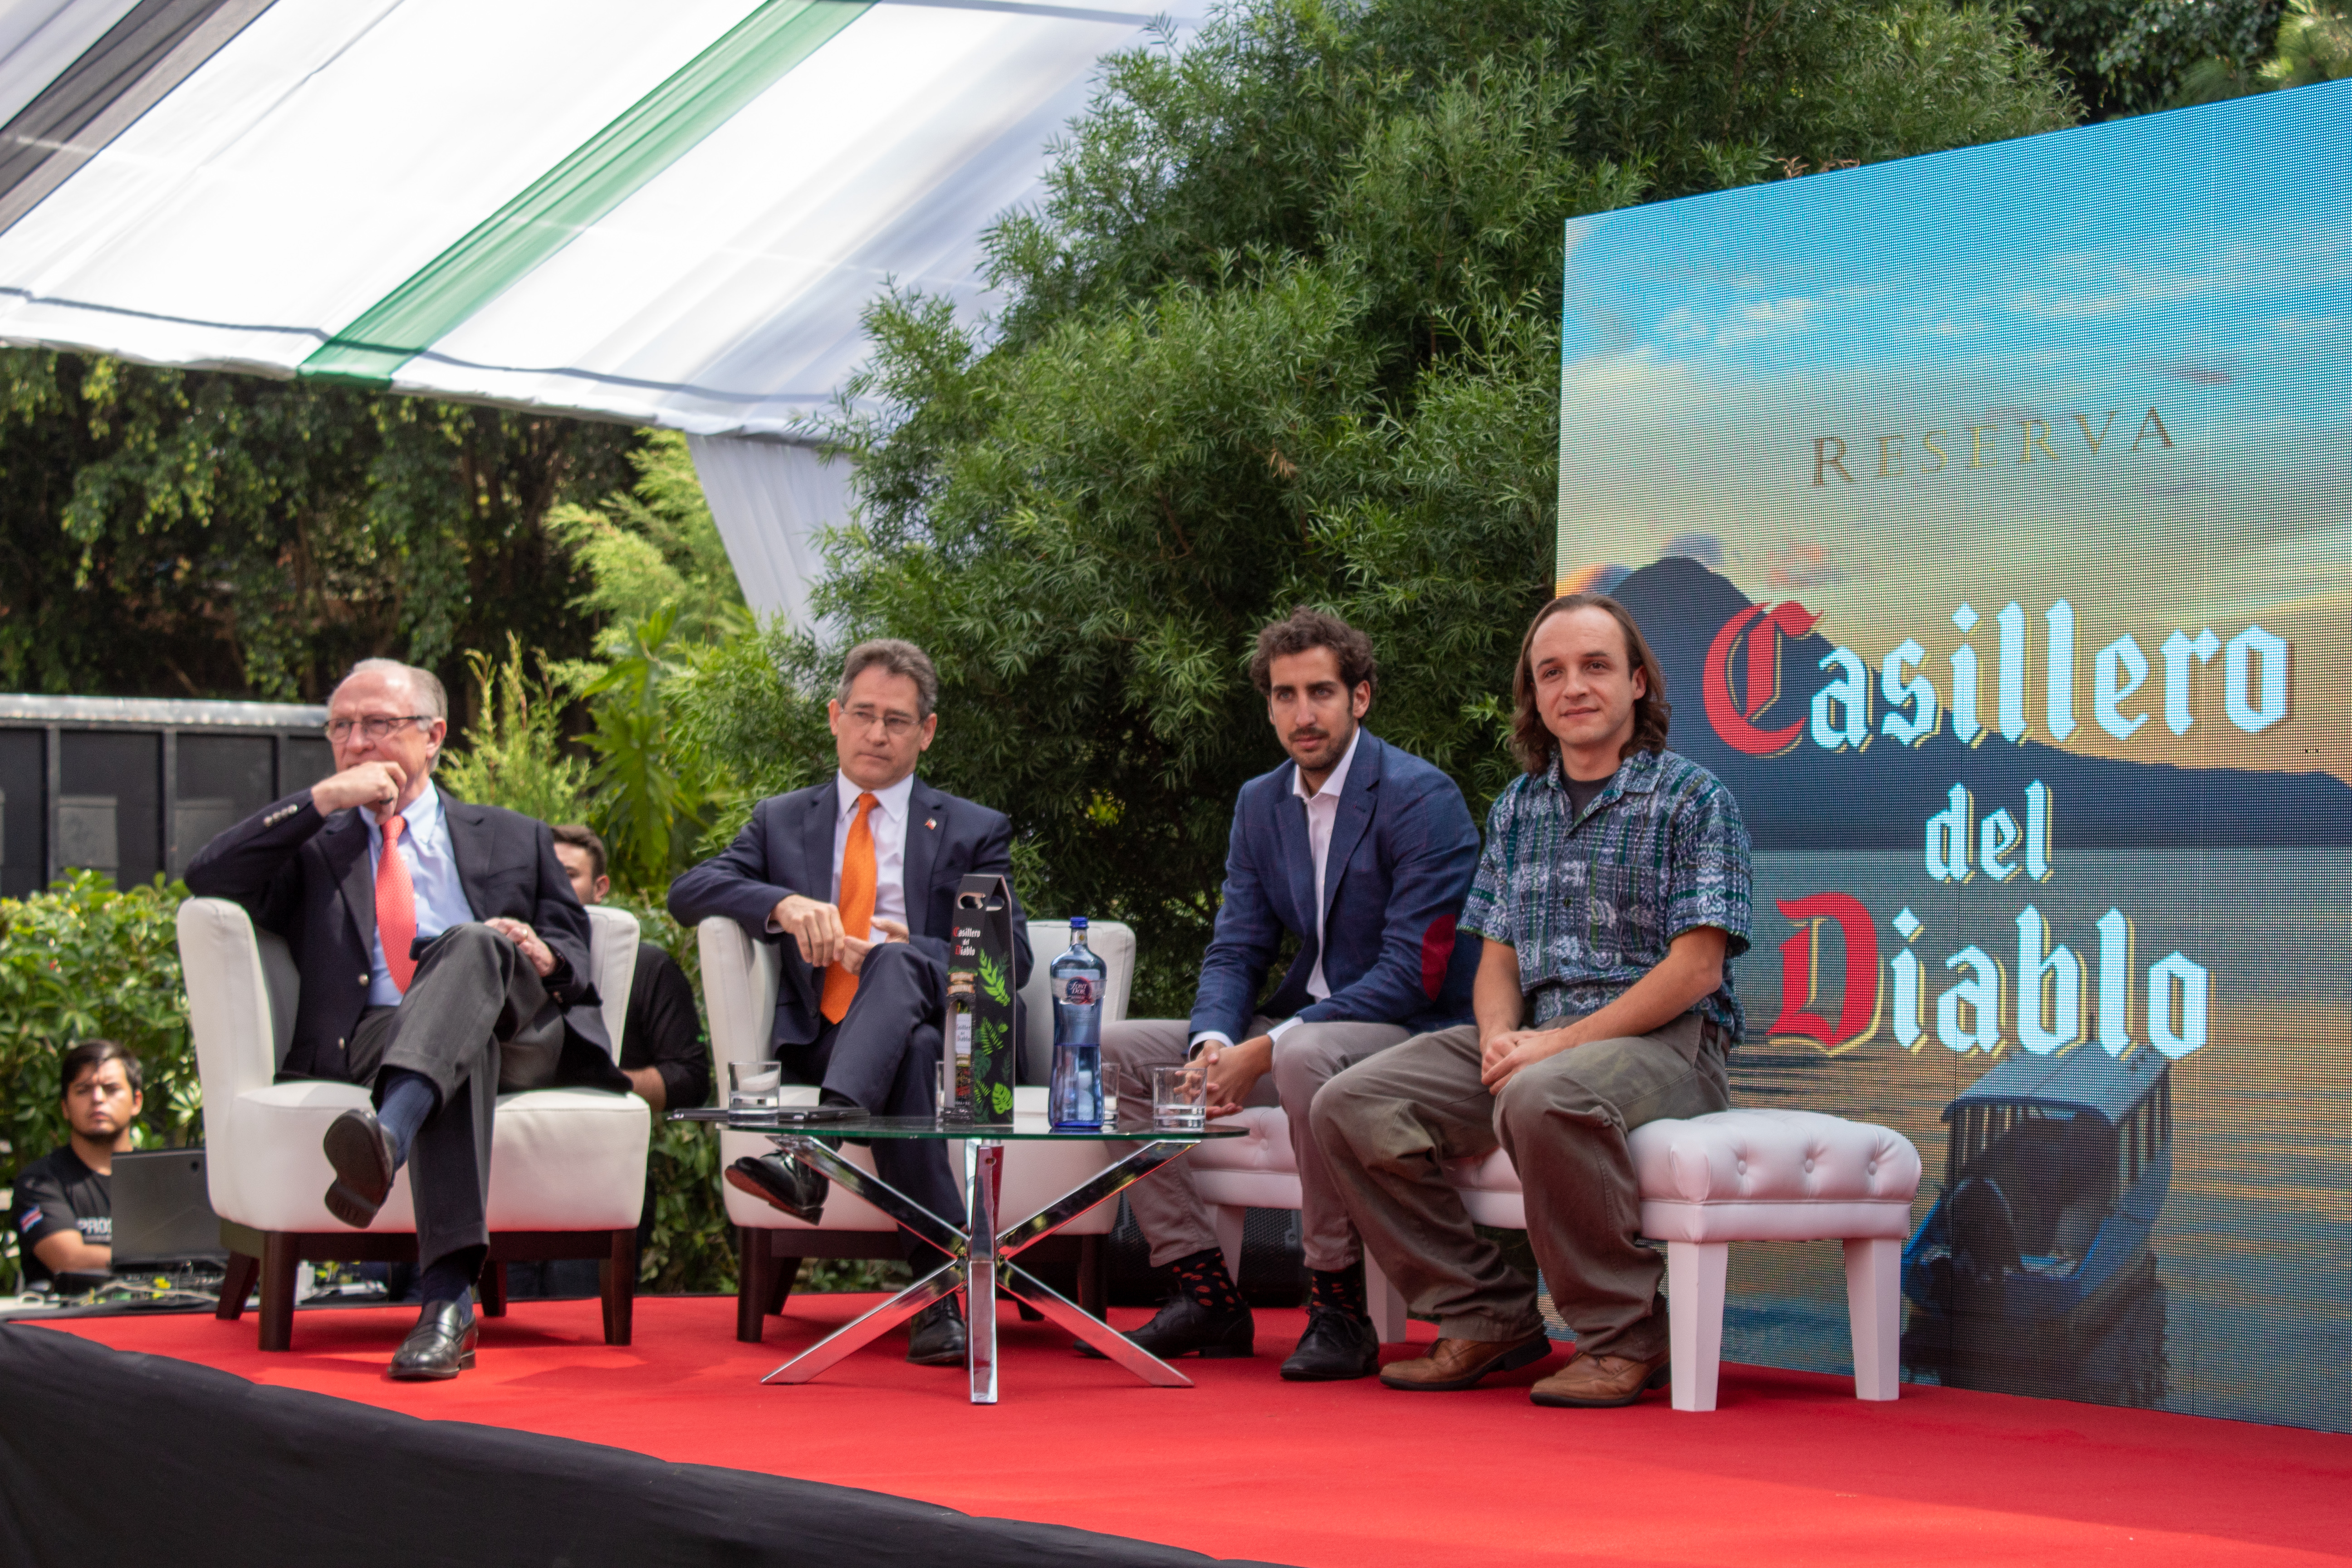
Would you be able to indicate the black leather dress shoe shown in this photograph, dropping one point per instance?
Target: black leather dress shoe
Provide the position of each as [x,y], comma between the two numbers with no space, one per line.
[360,1150]
[783,1184]
[936,1337]
[1334,1347]
[440,1346]
[1184,1327]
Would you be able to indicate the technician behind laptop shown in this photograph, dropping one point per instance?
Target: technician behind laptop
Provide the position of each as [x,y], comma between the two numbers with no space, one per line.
[63,1214]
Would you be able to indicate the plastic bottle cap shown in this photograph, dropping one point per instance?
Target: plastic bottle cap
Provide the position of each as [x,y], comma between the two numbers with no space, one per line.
[1078,922]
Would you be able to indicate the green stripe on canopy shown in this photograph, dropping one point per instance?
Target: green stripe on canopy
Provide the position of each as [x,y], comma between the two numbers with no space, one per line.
[588,184]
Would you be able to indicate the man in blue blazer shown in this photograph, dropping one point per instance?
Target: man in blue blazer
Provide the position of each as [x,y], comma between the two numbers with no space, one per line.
[1362,853]
[860,873]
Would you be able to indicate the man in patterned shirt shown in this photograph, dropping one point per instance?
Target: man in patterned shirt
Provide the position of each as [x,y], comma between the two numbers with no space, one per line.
[1612,893]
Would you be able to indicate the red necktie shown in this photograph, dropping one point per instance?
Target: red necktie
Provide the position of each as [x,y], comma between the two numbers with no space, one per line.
[396,907]
[857,877]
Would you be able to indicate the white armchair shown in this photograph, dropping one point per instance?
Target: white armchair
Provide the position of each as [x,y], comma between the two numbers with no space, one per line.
[568,1166]
[740,977]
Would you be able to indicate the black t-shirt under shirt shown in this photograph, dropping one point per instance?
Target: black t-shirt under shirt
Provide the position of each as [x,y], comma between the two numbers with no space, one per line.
[1583,792]
[54,1194]
[660,1029]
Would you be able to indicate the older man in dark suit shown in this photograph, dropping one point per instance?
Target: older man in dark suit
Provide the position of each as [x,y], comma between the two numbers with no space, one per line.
[860,873]
[444,958]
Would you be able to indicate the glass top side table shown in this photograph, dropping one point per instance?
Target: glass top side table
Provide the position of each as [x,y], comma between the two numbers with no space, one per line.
[979,1253]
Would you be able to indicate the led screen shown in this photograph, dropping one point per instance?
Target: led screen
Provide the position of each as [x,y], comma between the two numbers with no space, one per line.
[1992,515]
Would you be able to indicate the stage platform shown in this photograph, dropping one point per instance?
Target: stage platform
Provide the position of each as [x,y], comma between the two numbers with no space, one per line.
[1792,1468]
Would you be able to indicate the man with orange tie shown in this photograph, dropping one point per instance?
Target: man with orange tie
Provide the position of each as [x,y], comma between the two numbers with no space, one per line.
[444,958]
[856,880]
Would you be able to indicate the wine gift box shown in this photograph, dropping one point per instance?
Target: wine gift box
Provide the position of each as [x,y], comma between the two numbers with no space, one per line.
[981,979]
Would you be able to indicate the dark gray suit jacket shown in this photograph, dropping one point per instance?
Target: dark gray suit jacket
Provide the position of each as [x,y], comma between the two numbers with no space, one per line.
[305,877]
[787,848]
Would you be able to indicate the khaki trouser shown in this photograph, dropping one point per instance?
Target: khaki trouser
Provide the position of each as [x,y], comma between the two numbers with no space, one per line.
[1386,1125]
[1167,1205]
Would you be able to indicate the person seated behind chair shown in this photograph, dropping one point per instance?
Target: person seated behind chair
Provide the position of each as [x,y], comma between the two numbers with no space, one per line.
[63,1212]
[662,1051]
[861,873]
[662,1055]
[1611,895]
[1363,852]
[444,958]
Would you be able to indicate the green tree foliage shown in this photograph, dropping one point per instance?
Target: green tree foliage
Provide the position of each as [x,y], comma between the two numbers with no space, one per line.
[2129,56]
[1285,330]
[167,533]
[654,547]
[751,708]
[2313,43]
[515,755]
[661,582]
[84,962]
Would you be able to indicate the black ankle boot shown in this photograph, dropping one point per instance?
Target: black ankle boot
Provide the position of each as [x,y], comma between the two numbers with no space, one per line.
[1336,1346]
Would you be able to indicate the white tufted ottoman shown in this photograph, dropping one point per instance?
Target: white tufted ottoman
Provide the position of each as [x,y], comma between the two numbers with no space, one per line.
[1755,1176]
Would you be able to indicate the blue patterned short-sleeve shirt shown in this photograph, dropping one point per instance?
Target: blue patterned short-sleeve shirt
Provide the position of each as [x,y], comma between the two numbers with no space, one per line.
[1591,902]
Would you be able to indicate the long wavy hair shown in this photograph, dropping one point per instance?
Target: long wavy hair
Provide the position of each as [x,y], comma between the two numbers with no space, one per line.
[1533,744]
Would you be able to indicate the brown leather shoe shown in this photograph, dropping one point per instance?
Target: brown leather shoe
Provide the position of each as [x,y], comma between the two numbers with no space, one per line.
[1600,1382]
[1453,1365]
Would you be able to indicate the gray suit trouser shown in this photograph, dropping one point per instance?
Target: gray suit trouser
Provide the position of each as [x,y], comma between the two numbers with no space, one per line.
[1167,1204]
[1387,1125]
[475,1020]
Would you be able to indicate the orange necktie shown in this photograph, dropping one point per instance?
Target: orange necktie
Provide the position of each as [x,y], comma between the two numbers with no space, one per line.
[395,906]
[856,906]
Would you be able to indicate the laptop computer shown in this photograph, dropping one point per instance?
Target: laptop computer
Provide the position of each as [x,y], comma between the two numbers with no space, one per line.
[163,1217]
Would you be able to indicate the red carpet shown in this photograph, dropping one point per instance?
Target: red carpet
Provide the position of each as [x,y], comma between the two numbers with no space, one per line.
[1791,1470]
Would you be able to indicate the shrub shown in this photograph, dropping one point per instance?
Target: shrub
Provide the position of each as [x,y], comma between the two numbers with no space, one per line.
[80,960]
[516,757]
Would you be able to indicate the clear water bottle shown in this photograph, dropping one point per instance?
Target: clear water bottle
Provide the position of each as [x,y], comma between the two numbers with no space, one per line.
[1075,981]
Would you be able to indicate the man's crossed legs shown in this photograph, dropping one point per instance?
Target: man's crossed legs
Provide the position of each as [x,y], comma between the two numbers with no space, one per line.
[1207,1313]
[436,1063]
[1388,1126]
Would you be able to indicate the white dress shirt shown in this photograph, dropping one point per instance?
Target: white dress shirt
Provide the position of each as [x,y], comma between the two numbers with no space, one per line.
[1322,814]
[432,871]
[888,823]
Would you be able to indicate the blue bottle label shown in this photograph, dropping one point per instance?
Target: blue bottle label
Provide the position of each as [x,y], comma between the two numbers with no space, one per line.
[1076,991]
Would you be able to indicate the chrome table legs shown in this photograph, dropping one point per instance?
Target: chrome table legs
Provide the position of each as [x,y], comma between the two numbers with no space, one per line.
[979,1261]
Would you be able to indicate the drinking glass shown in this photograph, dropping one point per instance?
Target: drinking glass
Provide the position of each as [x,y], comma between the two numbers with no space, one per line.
[1180,1097]
[753,1086]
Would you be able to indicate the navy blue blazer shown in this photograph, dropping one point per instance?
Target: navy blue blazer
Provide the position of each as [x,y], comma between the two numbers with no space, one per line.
[787,848]
[305,877]
[1404,851]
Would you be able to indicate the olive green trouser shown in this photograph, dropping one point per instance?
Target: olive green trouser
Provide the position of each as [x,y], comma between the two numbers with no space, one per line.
[1388,1124]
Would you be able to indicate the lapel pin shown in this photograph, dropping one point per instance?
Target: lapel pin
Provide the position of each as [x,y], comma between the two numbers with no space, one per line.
[931,822]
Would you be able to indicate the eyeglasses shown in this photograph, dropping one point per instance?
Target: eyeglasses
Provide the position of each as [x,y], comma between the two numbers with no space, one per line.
[375,726]
[895,725]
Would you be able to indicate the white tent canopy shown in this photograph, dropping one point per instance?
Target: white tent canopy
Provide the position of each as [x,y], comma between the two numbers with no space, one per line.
[669,215]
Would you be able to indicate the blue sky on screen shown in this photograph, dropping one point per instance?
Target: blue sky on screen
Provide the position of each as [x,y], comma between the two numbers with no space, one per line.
[2200,227]
[2197,263]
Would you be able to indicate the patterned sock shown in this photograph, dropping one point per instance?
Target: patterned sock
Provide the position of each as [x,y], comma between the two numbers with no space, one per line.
[1203,1277]
[1339,1290]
